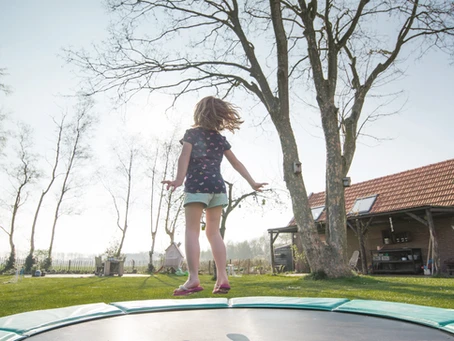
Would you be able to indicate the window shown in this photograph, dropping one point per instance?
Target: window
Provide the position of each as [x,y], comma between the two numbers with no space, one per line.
[363,205]
[317,211]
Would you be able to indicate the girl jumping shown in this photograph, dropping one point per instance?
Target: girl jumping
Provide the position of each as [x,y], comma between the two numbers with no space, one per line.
[200,163]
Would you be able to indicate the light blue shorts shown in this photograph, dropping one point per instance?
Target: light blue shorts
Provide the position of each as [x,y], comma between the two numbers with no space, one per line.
[208,199]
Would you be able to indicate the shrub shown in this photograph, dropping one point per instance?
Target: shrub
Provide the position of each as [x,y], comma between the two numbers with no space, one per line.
[29,262]
[46,263]
[316,276]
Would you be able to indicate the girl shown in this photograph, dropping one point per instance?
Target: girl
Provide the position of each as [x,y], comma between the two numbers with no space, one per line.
[200,163]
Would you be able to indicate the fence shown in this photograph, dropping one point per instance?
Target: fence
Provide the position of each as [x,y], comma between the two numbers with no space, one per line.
[240,267]
[86,266]
[83,266]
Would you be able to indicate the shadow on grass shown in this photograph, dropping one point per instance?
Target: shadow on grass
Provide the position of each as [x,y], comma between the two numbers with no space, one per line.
[168,280]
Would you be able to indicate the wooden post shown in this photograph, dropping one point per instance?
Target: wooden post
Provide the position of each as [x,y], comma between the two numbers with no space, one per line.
[433,236]
[433,242]
[429,251]
[272,251]
[272,240]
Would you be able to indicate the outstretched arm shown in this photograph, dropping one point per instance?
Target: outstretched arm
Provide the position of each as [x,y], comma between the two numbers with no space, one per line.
[183,162]
[240,168]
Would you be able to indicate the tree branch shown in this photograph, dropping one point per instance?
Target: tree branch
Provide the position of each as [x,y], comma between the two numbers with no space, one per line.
[1,227]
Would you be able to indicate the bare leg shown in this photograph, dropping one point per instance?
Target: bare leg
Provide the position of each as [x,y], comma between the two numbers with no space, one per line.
[213,218]
[193,212]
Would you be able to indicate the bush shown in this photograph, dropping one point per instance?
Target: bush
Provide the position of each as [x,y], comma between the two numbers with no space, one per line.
[9,265]
[29,262]
[46,263]
[316,276]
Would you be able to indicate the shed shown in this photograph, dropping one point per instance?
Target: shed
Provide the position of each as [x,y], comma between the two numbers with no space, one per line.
[173,257]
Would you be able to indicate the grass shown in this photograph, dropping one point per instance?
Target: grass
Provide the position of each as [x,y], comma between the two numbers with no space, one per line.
[46,292]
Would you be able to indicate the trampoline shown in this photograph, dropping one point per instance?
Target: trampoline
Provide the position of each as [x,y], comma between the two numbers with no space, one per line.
[239,319]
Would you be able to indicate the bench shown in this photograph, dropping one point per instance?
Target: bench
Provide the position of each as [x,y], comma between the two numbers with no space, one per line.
[279,268]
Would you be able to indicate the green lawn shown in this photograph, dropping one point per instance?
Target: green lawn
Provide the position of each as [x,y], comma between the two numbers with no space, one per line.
[47,292]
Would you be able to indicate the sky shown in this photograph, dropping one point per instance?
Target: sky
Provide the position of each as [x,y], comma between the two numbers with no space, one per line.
[33,36]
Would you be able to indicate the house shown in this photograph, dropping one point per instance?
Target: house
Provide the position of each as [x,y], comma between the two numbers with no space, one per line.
[400,223]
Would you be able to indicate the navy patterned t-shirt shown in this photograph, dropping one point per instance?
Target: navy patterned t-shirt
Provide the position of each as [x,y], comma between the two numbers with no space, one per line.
[204,170]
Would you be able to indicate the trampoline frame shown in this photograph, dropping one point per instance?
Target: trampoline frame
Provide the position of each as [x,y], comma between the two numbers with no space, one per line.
[22,326]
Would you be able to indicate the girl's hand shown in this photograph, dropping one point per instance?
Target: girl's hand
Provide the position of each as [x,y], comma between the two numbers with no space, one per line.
[171,184]
[257,186]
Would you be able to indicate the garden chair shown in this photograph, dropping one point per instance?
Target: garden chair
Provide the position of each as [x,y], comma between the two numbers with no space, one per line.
[353,263]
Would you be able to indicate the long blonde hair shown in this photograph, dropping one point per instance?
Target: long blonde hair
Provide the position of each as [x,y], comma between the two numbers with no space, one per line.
[215,114]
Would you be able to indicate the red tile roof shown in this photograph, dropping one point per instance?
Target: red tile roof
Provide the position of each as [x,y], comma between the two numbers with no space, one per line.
[431,185]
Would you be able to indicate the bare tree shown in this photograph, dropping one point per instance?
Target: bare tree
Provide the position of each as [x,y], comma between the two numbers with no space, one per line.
[21,175]
[60,126]
[126,164]
[174,200]
[169,206]
[151,174]
[76,146]
[324,46]
[235,201]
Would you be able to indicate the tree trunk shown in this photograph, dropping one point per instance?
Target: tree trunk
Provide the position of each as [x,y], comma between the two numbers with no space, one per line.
[54,226]
[150,253]
[12,255]
[335,200]
[223,223]
[13,223]
[35,219]
[153,232]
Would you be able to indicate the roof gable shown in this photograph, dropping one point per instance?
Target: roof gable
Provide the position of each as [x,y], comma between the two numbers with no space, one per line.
[431,185]
[174,246]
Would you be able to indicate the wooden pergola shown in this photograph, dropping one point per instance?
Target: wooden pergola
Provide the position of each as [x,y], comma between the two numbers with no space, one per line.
[274,233]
